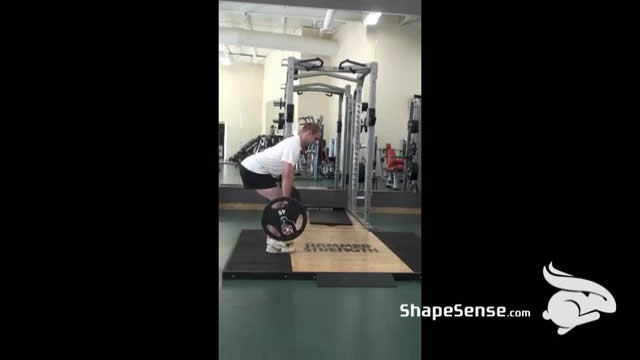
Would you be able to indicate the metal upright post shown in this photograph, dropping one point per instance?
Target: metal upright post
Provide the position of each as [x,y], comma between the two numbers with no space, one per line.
[418,116]
[337,148]
[288,127]
[316,159]
[355,148]
[347,136]
[407,161]
[371,118]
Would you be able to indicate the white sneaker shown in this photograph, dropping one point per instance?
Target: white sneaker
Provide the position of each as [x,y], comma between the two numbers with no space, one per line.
[279,247]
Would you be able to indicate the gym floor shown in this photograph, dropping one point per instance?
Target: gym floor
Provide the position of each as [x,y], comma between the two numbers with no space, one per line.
[289,319]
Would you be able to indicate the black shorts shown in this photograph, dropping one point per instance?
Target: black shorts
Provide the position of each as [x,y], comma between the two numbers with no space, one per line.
[251,180]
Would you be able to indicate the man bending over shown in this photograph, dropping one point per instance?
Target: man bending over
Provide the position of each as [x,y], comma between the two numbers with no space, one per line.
[260,171]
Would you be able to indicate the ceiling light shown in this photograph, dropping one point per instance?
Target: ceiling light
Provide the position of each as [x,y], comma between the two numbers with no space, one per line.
[372,18]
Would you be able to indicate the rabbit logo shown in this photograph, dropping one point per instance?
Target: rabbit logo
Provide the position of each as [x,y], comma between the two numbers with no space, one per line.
[578,302]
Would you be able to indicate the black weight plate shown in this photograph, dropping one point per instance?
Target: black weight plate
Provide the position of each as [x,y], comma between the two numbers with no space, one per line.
[413,171]
[413,126]
[289,221]
[413,149]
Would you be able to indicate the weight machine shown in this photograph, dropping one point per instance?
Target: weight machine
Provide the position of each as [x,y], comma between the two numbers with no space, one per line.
[354,121]
[411,174]
[405,168]
[254,146]
[343,93]
[309,163]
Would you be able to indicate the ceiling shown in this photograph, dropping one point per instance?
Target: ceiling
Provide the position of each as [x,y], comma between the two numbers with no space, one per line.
[272,18]
[394,7]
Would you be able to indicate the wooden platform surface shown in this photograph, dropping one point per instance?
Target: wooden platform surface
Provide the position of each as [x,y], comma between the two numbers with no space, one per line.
[340,248]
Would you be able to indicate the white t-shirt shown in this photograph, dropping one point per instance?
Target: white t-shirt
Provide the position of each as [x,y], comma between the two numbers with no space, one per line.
[272,160]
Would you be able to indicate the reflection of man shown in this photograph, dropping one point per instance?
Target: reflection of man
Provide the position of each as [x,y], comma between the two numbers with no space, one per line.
[259,171]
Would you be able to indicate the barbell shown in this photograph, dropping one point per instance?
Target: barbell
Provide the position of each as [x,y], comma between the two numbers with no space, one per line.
[285,218]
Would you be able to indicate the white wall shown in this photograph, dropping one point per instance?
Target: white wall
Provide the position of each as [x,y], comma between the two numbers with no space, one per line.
[275,76]
[247,91]
[397,49]
[240,100]
[316,104]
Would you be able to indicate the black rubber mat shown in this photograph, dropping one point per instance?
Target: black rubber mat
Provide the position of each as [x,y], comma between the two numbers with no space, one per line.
[249,258]
[370,280]
[406,246]
[329,217]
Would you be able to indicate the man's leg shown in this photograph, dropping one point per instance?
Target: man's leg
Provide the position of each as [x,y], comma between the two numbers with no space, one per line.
[275,246]
[271,193]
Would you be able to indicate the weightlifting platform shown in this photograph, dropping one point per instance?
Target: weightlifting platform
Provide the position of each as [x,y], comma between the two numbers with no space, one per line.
[326,250]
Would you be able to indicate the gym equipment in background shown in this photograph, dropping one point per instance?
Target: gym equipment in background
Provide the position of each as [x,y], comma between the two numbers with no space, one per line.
[411,174]
[254,146]
[354,72]
[395,166]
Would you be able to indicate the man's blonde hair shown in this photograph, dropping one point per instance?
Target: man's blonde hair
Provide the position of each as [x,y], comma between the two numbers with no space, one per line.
[314,128]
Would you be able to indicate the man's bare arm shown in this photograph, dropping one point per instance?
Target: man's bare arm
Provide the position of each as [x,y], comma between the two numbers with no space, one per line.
[287,180]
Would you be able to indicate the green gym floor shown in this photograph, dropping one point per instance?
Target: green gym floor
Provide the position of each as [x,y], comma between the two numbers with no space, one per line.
[290,319]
